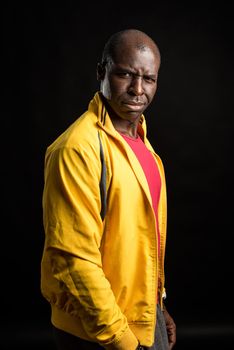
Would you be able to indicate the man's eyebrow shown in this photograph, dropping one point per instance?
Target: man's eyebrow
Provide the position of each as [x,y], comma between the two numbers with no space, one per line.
[133,71]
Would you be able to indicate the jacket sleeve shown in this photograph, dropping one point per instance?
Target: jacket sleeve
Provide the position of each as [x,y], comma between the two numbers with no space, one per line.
[73,227]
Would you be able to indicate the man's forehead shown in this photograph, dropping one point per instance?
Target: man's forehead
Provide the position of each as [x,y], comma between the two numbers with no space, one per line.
[134,57]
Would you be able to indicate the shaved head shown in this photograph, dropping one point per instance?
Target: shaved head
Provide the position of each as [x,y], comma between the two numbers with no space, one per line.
[133,37]
[128,75]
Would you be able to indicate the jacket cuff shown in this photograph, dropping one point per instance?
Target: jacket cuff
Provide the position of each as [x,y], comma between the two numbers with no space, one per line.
[127,341]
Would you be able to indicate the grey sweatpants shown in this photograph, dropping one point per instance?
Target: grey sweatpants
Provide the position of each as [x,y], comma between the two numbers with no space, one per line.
[161,338]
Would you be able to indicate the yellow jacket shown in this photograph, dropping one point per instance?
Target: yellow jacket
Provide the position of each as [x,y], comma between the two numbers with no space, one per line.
[101,273]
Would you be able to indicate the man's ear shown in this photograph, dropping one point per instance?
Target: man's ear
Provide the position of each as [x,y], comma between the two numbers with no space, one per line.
[101,71]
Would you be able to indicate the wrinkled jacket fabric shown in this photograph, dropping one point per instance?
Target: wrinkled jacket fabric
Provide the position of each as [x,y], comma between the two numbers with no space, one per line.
[101,274]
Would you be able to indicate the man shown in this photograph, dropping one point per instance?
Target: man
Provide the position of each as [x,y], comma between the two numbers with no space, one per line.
[104,205]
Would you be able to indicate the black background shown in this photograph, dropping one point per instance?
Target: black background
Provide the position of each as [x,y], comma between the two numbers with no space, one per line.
[48,77]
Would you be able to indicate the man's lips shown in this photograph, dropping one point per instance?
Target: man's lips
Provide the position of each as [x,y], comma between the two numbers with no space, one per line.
[133,105]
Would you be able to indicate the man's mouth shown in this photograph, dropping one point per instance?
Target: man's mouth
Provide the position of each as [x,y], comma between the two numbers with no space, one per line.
[133,105]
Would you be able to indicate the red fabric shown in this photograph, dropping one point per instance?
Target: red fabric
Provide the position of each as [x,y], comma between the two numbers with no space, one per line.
[150,169]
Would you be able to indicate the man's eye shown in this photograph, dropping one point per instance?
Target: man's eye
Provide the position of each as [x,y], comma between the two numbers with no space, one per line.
[124,74]
[150,79]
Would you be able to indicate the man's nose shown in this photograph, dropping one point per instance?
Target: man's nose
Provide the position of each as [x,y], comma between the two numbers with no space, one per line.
[136,86]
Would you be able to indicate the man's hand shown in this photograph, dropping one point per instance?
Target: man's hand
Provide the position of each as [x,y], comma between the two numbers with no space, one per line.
[171,328]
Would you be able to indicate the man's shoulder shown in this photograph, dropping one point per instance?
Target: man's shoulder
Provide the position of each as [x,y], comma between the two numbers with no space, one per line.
[82,133]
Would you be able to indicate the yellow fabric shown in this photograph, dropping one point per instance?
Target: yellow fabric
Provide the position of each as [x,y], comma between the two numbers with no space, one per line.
[101,277]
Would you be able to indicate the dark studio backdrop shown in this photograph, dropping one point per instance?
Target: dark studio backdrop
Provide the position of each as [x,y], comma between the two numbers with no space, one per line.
[49,75]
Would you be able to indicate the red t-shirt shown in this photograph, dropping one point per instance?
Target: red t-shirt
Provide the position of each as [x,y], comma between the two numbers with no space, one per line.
[151,171]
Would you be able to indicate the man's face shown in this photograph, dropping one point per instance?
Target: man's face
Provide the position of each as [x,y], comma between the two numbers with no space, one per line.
[130,82]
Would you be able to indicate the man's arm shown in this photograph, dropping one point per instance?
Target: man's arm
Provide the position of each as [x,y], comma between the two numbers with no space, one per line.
[74,231]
